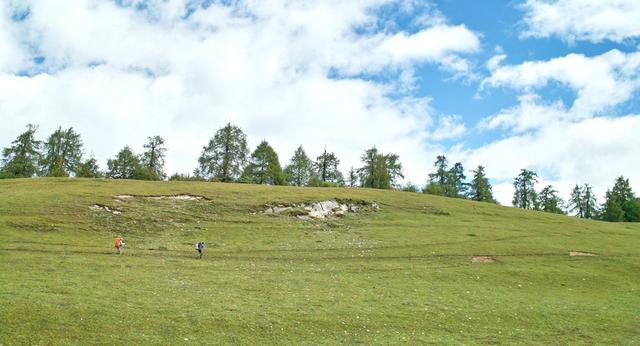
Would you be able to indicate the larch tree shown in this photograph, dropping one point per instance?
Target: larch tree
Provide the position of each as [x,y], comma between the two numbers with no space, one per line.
[326,170]
[225,156]
[153,157]
[89,169]
[480,189]
[439,180]
[125,165]
[379,171]
[352,178]
[62,153]
[264,167]
[300,168]
[21,159]
[621,203]
[525,195]
[550,201]
[455,185]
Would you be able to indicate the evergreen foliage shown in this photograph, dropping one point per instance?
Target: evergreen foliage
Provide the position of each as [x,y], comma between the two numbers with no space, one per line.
[549,201]
[525,195]
[264,167]
[20,160]
[89,169]
[480,189]
[326,170]
[62,153]
[225,155]
[380,171]
[300,168]
[125,165]
[153,158]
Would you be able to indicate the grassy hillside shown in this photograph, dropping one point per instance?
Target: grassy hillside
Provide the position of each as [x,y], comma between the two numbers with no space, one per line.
[402,274]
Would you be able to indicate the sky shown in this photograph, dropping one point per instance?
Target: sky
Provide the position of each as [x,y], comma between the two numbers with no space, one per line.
[547,85]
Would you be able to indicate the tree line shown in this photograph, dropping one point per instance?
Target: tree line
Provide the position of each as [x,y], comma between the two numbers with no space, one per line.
[227,158]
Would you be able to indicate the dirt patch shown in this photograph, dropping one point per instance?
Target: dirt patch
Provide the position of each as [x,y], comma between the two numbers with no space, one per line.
[181,197]
[581,253]
[105,208]
[482,259]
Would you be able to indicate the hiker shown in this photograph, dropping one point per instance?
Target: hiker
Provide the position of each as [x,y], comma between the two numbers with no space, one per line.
[200,248]
[119,244]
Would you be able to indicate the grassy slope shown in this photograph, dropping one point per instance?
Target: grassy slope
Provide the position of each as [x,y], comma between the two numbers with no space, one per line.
[402,274]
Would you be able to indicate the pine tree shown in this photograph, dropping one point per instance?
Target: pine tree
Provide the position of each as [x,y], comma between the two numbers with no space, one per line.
[62,153]
[21,159]
[153,158]
[326,169]
[550,202]
[300,168]
[89,169]
[525,195]
[264,167]
[225,156]
[480,188]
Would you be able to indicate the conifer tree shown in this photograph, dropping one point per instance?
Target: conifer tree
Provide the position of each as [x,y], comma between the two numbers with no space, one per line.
[549,200]
[380,171]
[89,169]
[125,165]
[352,179]
[326,169]
[300,168]
[480,188]
[264,167]
[153,158]
[456,186]
[439,180]
[225,155]
[62,153]
[525,195]
[20,160]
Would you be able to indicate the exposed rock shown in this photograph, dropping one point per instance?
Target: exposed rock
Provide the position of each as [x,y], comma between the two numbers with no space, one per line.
[105,208]
[183,197]
[322,209]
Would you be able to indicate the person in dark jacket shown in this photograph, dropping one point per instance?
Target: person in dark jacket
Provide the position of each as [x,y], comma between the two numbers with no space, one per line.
[200,248]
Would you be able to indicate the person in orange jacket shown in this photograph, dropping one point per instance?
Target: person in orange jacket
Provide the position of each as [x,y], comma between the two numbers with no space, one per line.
[119,244]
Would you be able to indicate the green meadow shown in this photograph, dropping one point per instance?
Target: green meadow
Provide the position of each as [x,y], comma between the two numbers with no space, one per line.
[403,274]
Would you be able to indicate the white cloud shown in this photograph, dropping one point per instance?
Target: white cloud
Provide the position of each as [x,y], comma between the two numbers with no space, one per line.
[592,20]
[593,151]
[599,82]
[119,75]
[566,144]
[449,127]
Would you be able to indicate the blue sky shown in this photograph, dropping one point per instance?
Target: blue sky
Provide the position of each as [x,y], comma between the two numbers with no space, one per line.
[548,85]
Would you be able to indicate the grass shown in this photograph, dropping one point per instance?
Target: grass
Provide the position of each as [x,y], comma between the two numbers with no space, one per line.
[400,275]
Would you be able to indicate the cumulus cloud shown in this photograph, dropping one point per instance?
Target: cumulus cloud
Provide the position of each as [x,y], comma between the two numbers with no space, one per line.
[566,144]
[592,20]
[291,72]
[599,82]
[593,151]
